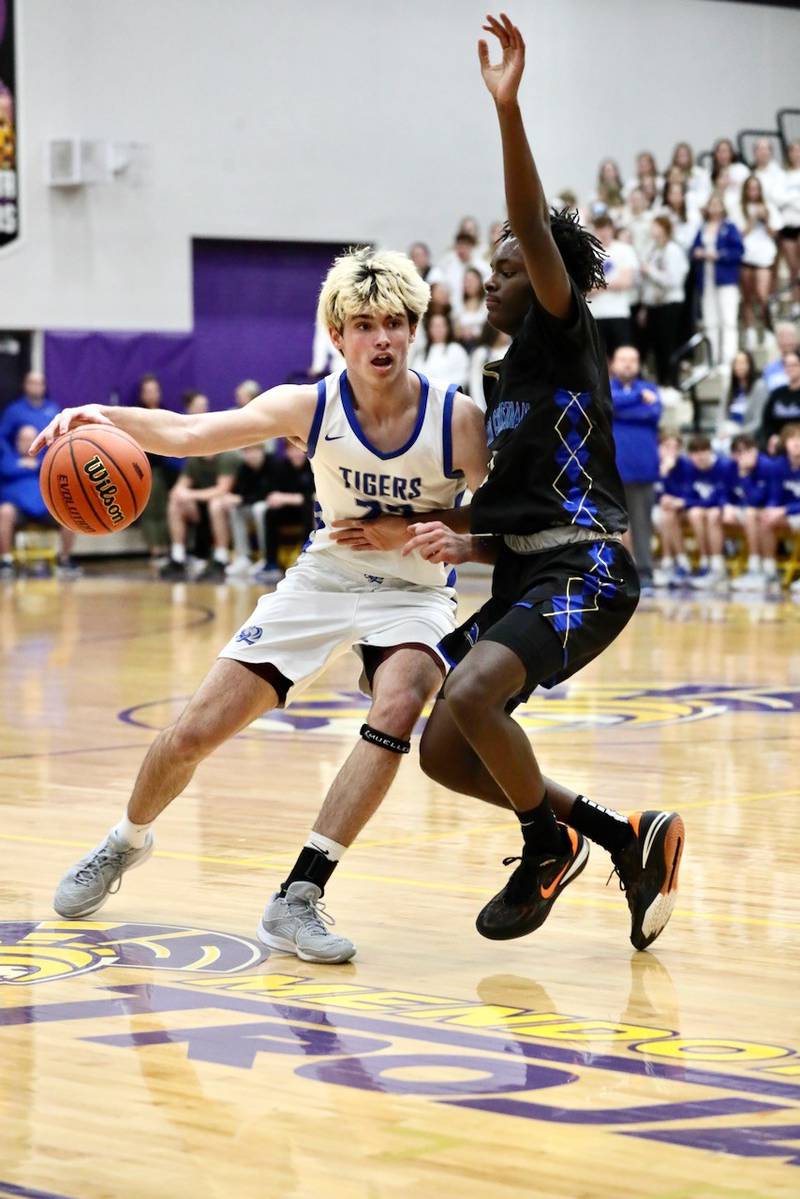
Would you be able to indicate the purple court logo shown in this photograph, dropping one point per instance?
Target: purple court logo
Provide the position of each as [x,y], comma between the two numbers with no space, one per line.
[533,1064]
[43,950]
[569,708]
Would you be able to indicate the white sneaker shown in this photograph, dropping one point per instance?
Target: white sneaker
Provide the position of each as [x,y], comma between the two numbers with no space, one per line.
[794,589]
[257,567]
[239,568]
[87,885]
[751,580]
[296,923]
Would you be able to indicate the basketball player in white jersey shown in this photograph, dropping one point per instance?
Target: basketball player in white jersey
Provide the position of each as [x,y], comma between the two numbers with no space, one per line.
[381,439]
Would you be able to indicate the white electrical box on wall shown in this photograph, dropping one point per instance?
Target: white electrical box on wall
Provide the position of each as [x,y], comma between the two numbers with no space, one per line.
[74,162]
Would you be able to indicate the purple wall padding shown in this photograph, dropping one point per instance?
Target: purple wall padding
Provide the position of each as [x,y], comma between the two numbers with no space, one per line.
[254,310]
[94,368]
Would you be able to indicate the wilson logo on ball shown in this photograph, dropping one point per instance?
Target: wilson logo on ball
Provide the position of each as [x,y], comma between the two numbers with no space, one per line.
[104,489]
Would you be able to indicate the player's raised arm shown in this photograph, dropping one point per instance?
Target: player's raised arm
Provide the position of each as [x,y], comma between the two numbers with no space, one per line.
[280,412]
[528,213]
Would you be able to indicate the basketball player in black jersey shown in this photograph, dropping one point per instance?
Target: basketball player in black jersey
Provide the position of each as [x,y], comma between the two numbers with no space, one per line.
[564,586]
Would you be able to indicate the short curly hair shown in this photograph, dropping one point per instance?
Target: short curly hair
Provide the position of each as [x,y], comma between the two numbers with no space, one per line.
[582,253]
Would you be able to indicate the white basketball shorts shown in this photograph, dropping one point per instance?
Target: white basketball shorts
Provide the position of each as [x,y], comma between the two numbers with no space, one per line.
[323,609]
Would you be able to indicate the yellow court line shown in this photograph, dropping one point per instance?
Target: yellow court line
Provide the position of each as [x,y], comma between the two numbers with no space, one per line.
[460,888]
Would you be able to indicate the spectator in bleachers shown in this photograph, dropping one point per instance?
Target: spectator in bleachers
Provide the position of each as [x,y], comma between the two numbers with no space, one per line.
[783,512]
[245,391]
[741,409]
[646,177]
[235,513]
[290,506]
[420,254]
[491,348]
[443,359]
[637,222]
[789,231]
[730,191]
[200,481]
[663,273]
[759,222]
[452,267]
[21,501]
[673,467]
[153,521]
[637,411]
[195,403]
[787,340]
[717,255]
[440,301]
[684,224]
[706,493]
[749,485]
[769,173]
[696,179]
[472,314]
[495,234]
[33,407]
[608,196]
[724,156]
[611,307]
[783,405]
[325,358]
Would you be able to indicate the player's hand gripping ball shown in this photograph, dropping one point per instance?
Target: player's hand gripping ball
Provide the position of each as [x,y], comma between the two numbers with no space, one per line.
[95,479]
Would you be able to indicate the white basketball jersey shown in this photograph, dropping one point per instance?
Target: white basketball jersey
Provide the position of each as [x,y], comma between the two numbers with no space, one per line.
[354,479]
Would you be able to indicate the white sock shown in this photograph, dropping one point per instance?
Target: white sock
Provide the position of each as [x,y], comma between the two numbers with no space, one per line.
[702,563]
[331,849]
[667,562]
[717,564]
[132,834]
[754,564]
[221,556]
[177,552]
[770,568]
[9,558]
[683,562]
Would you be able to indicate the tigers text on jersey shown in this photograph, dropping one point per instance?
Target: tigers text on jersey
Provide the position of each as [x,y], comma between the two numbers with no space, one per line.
[354,479]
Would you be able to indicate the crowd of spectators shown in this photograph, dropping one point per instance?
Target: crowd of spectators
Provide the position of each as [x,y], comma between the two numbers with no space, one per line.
[232,513]
[690,247]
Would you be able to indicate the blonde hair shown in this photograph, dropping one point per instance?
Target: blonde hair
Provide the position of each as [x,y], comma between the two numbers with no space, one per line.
[367,280]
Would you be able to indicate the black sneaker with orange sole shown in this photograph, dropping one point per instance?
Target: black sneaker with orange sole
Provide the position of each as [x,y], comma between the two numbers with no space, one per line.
[525,902]
[648,872]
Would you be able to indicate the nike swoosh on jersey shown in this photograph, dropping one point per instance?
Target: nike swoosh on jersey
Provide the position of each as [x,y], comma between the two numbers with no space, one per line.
[336,437]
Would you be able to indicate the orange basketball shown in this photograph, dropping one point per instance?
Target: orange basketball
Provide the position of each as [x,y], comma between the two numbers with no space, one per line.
[95,479]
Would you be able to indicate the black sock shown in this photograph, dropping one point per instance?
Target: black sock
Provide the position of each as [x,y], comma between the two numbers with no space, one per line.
[602,825]
[540,832]
[311,867]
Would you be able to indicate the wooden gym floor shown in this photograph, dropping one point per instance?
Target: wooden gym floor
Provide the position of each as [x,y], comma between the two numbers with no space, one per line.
[155,1052]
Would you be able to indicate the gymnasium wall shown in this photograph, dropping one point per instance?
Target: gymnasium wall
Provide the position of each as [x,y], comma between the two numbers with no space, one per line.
[337,121]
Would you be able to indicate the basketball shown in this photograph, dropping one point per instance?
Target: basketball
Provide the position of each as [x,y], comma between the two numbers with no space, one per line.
[95,479]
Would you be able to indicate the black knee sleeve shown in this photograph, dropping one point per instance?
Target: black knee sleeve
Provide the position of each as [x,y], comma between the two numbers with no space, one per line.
[384,740]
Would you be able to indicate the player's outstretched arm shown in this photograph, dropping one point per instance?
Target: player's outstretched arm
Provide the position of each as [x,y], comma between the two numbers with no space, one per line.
[280,412]
[528,213]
